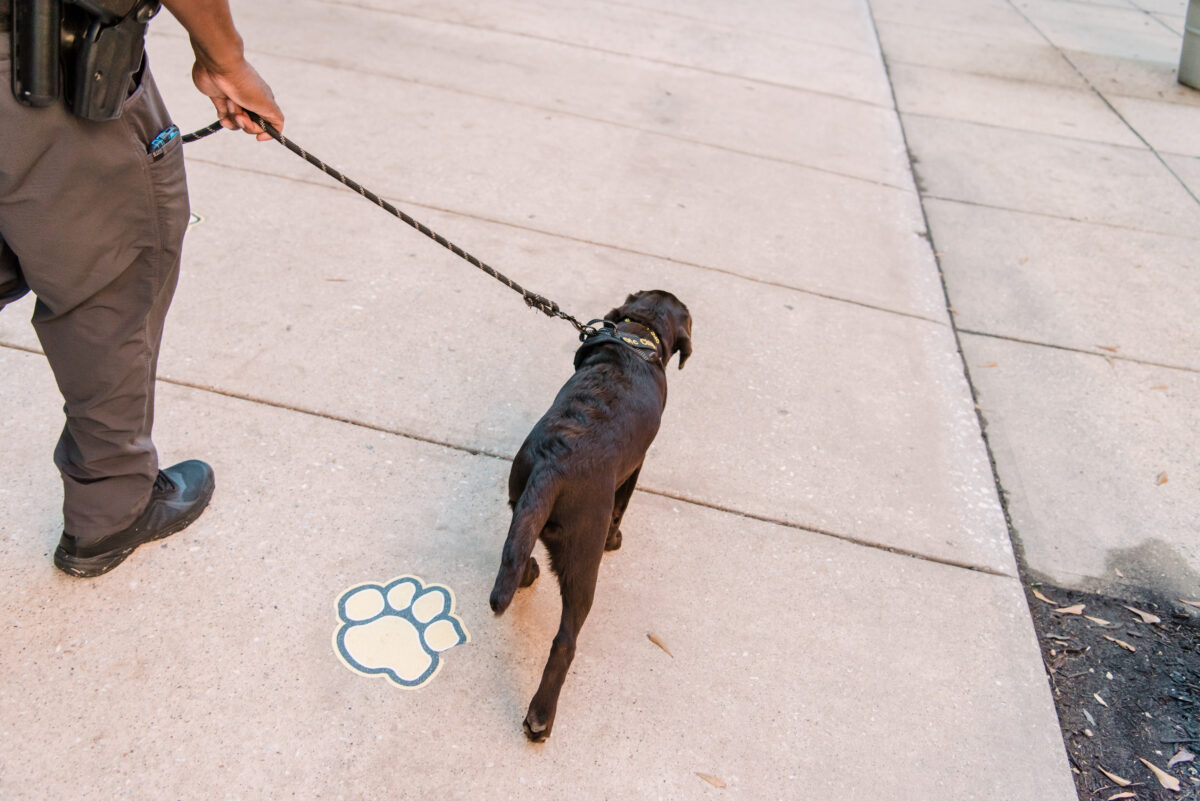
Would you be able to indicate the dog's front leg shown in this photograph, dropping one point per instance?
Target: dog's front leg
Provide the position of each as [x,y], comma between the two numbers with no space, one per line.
[620,502]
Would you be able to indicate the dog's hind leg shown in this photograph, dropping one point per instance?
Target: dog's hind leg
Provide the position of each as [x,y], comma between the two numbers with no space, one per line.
[620,502]
[575,557]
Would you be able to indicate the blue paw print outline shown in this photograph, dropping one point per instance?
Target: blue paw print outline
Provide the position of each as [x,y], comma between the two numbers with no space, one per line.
[397,630]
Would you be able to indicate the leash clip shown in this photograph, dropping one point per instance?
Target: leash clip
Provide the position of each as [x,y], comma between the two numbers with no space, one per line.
[590,330]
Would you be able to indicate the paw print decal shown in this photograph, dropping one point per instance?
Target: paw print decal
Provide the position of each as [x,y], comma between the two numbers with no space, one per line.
[398,630]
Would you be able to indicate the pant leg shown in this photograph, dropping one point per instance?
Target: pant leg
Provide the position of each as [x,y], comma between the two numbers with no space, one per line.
[96,226]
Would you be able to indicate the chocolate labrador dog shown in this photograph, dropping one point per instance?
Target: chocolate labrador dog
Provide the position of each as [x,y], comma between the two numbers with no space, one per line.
[572,478]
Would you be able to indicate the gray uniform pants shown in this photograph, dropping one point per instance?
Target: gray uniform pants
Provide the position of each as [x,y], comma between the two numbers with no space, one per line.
[93,225]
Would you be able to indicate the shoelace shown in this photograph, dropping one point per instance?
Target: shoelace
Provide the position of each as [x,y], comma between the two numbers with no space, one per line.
[162,484]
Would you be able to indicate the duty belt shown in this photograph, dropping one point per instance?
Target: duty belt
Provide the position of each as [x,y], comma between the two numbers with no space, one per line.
[92,48]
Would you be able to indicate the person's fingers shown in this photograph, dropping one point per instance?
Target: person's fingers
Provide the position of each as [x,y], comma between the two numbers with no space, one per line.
[236,94]
[219,105]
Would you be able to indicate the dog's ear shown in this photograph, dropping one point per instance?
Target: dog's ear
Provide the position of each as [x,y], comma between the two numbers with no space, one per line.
[683,339]
[616,314]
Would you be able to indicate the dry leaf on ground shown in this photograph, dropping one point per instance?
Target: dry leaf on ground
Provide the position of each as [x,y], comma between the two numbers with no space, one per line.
[990,364]
[1109,348]
[1077,609]
[1121,643]
[1146,617]
[654,638]
[1114,778]
[1101,700]
[1183,755]
[1099,621]
[1038,594]
[713,780]
[1164,778]
[1161,479]
[1190,603]
[1122,795]
[1159,386]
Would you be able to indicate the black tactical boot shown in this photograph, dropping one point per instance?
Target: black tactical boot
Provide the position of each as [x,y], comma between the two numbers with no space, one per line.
[179,496]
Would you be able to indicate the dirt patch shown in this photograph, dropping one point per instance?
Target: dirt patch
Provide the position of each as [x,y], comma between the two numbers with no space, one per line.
[1127,688]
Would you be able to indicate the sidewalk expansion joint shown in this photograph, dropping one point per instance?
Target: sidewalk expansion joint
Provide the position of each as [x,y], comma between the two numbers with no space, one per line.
[1109,357]
[1046,84]
[490,454]
[1015,542]
[1049,216]
[923,557]
[592,243]
[994,126]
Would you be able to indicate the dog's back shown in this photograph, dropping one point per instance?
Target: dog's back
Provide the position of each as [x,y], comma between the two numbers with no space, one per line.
[592,438]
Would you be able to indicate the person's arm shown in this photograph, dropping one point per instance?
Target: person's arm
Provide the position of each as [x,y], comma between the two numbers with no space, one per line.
[221,70]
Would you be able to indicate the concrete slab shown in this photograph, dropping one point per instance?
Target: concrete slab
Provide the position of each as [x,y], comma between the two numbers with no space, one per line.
[830,53]
[799,647]
[1004,103]
[373,323]
[977,54]
[1070,284]
[1175,24]
[812,460]
[1121,32]
[995,19]
[1118,490]
[598,183]
[1166,8]
[1168,127]
[1120,77]
[1049,175]
[1188,170]
[826,22]
[838,134]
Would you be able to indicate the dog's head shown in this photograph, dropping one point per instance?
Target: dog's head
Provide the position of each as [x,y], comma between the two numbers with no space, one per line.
[664,314]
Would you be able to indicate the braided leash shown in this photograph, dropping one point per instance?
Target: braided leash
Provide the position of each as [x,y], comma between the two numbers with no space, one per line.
[533,300]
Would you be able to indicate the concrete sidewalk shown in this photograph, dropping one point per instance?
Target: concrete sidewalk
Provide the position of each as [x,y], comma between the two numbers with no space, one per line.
[1060,170]
[818,538]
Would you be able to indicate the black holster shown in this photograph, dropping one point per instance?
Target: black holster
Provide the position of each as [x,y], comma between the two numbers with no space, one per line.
[89,50]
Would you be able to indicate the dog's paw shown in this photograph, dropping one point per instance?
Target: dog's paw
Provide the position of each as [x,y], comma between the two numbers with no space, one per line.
[536,730]
[614,540]
[532,571]
[397,630]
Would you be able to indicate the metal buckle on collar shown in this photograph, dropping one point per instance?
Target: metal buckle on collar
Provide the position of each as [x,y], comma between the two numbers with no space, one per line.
[590,330]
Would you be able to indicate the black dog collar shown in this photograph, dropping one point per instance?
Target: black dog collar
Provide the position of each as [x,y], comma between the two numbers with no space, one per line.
[608,334]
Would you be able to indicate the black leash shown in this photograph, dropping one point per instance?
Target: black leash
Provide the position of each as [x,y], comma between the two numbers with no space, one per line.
[533,300]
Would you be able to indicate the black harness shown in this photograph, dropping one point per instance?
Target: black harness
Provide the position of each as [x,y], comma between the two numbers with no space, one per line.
[607,334]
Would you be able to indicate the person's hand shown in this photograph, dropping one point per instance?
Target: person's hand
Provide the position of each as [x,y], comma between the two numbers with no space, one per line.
[236,90]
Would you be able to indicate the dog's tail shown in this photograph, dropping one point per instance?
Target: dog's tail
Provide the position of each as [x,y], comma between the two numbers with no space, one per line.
[529,517]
